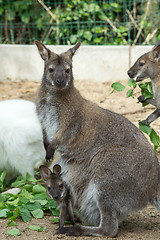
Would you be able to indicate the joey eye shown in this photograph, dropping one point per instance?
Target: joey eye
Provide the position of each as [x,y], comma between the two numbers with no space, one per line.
[67,70]
[61,185]
[141,64]
[50,70]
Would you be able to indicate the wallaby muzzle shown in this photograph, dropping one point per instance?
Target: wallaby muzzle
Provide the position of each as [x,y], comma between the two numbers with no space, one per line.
[60,83]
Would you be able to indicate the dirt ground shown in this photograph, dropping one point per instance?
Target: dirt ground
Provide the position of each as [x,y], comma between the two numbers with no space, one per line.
[142,225]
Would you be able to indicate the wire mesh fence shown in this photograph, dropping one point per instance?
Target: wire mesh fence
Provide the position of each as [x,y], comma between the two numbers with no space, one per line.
[96,22]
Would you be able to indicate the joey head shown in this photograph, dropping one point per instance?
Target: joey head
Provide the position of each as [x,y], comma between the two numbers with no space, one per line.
[148,66]
[58,191]
[108,164]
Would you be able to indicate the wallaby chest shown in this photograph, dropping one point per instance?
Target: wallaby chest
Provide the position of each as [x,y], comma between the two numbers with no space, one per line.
[48,118]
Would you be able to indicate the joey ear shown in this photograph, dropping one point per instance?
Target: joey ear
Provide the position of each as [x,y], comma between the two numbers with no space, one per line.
[43,50]
[57,169]
[72,50]
[45,172]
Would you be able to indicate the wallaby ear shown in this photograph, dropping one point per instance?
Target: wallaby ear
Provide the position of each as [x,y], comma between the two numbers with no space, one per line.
[43,51]
[45,172]
[155,53]
[57,169]
[72,50]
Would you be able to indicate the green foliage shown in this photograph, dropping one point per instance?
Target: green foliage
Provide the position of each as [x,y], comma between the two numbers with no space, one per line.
[91,22]
[146,91]
[31,201]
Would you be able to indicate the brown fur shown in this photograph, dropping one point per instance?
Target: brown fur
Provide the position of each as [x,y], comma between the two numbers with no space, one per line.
[108,164]
[148,66]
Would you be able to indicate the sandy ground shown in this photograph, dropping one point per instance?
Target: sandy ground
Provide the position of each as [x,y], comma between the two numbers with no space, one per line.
[142,225]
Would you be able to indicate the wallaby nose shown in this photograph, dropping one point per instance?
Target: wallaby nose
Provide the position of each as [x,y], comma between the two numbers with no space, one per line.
[60,82]
[129,73]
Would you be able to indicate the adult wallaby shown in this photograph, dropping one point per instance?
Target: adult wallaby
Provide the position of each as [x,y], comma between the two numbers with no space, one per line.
[58,191]
[148,66]
[21,142]
[108,164]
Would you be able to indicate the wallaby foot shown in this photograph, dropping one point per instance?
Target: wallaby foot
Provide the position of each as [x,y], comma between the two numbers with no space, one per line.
[108,227]
[78,230]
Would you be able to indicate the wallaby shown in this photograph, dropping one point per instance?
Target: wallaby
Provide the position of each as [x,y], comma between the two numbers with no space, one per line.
[58,191]
[108,164]
[148,66]
[21,141]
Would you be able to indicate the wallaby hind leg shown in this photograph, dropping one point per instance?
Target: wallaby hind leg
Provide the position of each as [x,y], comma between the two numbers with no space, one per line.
[108,226]
[156,201]
[153,116]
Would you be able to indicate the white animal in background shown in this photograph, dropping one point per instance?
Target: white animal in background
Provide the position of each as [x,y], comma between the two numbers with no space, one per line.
[21,141]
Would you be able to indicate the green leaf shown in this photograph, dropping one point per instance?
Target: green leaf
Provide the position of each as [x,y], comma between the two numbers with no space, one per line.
[55,220]
[73,38]
[154,139]
[3,175]
[129,93]
[38,213]
[87,35]
[145,128]
[3,213]
[12,223]
[118,86]
[36,228]
[33,206]
[55,212]
[25,214]
[13,232]
[38,188]
[30,178]
[131,83]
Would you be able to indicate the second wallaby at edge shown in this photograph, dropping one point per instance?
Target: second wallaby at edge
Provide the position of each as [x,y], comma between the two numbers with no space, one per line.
[107,163]
[148,66]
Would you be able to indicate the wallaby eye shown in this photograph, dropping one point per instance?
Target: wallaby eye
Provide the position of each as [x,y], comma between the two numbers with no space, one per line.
[50,70]
[141,64]
[49,188]
[67,70]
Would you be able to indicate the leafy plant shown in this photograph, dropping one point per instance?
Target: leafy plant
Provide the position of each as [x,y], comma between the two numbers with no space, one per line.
[92,22]
[146,91]
[31,201]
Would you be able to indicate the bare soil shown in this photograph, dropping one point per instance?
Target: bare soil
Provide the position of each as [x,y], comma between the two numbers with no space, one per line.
[144,224]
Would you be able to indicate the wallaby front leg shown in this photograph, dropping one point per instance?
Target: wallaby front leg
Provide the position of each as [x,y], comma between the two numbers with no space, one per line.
[62,216]
[70,212]
[108,226]
[153,116]
[149,100]
[45,141]
[51,149]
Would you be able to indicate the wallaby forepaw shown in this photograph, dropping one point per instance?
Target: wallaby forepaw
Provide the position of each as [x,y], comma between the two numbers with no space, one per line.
[145,122]
[141,99]
[49,154]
